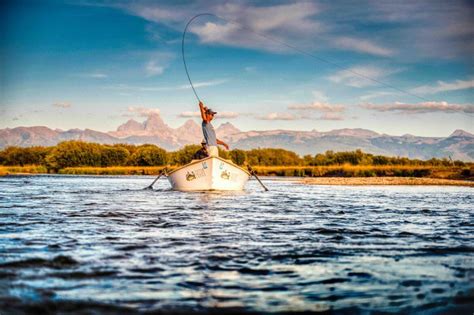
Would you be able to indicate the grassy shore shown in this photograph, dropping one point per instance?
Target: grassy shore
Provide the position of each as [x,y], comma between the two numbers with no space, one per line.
[370,181]
[323,175]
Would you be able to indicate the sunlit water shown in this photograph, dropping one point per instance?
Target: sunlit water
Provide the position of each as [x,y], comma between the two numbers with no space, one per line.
[104,244]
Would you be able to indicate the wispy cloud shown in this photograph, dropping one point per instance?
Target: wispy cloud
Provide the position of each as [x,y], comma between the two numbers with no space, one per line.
[249,69]
[93,75]
[203,84]
[152,69]
[227,115]
[354,76]
[126,87]
[376,95]
[281,21]
[363,46]
[425,107]
[331,116]
[318,106]
[142,111]
[442,86]
[441,29]
[284,116]
[157,63]
[279,116]
[320,96]
[62,104]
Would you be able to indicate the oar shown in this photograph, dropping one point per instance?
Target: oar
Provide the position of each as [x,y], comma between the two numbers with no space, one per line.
[163,172]
[252,172]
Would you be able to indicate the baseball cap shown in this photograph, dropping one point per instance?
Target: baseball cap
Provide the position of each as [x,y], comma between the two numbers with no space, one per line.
[210,111]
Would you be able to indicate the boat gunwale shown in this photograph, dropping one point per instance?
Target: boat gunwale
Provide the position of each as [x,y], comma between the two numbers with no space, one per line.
[208,158]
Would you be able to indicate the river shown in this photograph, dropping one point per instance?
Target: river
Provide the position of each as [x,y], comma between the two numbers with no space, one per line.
[103,244]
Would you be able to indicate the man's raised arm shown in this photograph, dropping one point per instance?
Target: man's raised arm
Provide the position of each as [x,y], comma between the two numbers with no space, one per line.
[202,108]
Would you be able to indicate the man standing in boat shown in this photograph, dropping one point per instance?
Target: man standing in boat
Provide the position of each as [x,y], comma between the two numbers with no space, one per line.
[207,116]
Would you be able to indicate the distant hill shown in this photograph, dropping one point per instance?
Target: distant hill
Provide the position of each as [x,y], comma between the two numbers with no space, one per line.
[459,145]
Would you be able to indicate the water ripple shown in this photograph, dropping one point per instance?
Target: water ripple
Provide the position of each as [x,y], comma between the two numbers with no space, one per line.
[107,245]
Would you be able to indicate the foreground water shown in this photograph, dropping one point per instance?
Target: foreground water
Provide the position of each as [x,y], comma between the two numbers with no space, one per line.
[104,245]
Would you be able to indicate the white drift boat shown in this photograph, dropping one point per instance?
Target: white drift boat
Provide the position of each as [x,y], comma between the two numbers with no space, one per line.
[211,173]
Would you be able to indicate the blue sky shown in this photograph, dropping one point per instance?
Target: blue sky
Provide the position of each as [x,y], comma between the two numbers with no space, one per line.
[95,64]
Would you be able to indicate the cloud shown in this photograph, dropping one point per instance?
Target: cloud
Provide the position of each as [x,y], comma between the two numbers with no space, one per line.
[157,63]
[152,68]
[93,75]
[442,86]
[320,96]
[331,116]
[425,107]
[203,84]
[434,29]
[143,111]
[283,21]
[98,75]
[279,116]
[319,106]
[291,116]
[376,95]
[227,115]
[354,76]
[126,87]
[250,69]
[363,46]
[62,105]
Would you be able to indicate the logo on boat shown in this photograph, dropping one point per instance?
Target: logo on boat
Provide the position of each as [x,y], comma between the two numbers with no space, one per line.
[225,175]
[221,166]
[190,176]
[195,174]
[204,165]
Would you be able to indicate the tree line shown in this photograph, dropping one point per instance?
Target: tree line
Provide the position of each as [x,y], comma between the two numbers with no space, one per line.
[77,153]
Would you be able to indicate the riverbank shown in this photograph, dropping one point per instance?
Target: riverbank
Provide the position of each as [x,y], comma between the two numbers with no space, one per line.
[319,175]
[373,181]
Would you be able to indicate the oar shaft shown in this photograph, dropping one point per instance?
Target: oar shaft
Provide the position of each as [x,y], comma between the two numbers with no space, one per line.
[163,171]
[266,189]
[252,172]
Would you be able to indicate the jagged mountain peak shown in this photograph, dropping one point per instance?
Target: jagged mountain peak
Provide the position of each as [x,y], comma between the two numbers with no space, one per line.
[154,123]
[190,123]
[227,129]
[355,132]
[461,133]
[130,125]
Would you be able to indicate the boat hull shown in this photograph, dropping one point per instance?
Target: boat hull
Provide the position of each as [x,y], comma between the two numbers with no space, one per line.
[211,173]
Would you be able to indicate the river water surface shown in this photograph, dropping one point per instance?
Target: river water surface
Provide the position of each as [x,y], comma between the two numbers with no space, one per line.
[103,245]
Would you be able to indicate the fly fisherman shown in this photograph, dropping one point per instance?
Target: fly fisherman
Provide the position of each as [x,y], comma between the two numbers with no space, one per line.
[207,115]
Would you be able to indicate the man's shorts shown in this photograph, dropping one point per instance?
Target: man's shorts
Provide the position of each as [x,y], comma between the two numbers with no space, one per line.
[212,150]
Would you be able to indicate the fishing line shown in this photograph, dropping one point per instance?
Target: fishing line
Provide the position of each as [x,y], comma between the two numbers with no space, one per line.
[299,50]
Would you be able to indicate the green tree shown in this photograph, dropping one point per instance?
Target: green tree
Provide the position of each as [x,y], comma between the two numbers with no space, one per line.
[114,156]
[238,156]
[24,156]
[269,157]
[149,155]
[74,153]
[184,155]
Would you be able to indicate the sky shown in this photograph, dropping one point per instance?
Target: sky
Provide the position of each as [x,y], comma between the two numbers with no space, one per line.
[395,67]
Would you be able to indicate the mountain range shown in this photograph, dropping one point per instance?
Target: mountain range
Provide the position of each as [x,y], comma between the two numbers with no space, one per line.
[459,145]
